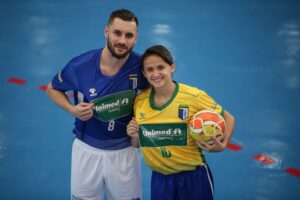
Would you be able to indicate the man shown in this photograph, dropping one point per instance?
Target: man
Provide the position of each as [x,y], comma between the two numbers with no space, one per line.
[105,82]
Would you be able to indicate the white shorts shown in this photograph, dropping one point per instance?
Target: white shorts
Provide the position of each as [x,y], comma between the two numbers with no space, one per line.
[96,172]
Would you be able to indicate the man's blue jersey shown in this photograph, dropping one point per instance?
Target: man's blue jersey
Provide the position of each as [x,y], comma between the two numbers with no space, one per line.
[112,97]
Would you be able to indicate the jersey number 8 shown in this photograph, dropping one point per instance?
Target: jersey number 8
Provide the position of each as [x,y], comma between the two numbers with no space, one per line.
[111,125]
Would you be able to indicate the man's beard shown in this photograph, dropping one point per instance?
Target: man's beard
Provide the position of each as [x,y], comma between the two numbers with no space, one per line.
[114,53]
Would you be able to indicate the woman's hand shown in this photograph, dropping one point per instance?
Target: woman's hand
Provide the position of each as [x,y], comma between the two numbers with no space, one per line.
[215,146]
[133,132]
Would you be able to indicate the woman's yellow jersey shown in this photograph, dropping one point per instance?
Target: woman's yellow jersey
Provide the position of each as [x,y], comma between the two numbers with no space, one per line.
[164,136]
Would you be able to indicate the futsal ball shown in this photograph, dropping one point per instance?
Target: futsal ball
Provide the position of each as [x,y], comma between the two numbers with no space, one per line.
[206,125]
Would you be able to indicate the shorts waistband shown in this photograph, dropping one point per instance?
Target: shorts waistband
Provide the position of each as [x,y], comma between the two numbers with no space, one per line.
[115,144]
[97,150]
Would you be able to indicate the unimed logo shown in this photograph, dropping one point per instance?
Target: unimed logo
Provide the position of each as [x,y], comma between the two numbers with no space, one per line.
[170,132]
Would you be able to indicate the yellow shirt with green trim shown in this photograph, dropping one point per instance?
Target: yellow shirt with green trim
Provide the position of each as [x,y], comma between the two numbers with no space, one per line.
[164,136]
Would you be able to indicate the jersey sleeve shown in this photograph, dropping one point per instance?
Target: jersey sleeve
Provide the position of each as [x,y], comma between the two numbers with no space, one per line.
[207,102]
[65,79]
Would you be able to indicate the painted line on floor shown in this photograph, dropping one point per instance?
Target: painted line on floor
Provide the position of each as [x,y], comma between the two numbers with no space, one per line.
[17,81]
[263,159]
[43,87]
[293,171]
[234,147]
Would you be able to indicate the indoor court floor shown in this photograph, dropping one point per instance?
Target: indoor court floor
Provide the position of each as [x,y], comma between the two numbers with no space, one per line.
[246,54]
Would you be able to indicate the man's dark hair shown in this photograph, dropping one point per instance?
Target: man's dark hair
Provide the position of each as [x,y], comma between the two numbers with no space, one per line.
[123,14]
[160,51]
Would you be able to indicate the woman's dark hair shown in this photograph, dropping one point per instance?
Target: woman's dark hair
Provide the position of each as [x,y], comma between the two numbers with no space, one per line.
[160,51]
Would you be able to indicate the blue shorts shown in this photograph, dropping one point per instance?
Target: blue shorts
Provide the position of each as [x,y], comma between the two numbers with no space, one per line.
[188,185]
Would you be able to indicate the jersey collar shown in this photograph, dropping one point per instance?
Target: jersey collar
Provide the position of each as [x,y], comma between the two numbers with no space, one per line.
[167,103]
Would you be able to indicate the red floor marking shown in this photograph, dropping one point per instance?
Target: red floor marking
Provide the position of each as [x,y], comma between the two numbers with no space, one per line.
[293,171]
[16,81]
[264,159]
[234,147]
[43,87]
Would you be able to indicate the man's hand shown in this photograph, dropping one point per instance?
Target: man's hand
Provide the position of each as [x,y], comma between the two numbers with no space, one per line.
[83,111]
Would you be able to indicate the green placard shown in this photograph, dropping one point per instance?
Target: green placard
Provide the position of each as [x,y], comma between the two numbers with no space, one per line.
[157,135]
[113,106]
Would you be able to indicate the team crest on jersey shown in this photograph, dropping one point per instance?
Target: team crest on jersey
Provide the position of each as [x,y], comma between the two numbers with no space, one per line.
[133,81]
[183,111]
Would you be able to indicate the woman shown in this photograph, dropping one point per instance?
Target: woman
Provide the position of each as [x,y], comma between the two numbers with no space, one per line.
[160,128]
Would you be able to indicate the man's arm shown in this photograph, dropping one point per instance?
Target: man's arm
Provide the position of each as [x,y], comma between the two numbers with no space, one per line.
[83,111]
